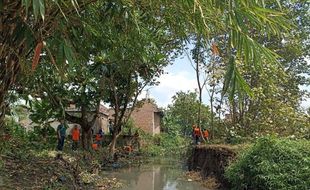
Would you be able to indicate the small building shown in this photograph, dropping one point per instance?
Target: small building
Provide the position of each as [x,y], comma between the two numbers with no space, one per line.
[147,117]
[100,123]
[102,120]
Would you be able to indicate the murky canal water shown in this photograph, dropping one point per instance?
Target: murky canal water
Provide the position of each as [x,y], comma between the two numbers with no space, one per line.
[155,175]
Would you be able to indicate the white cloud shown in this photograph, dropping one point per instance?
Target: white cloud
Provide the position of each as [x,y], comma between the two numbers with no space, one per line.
[170,84]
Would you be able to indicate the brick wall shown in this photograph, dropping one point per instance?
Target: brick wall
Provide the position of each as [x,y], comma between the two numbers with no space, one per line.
[145,118]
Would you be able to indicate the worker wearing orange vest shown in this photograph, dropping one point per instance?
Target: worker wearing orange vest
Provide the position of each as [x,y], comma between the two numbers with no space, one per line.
[94,146]
[128,149]
[98,138]
[75,137]
[196,134]
[206,135]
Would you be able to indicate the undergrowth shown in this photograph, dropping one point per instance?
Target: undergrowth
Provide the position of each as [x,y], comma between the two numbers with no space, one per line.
[32,155]
[272,163]
[164,144]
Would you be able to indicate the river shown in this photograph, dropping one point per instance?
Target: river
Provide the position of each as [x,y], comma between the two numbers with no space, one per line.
[157,174]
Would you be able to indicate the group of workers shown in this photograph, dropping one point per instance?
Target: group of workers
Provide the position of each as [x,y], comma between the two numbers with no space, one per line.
[197,134]
[75,135]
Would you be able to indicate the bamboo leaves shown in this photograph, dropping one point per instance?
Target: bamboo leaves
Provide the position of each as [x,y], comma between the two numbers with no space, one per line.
[234,82]
[38,7]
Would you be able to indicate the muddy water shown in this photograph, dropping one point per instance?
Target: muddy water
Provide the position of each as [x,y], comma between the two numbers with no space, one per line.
[157,174]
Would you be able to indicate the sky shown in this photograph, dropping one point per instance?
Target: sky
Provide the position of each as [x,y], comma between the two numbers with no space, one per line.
[180,76]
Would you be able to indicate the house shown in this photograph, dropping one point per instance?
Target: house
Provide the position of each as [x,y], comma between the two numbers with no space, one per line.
[101,120]
[147,117]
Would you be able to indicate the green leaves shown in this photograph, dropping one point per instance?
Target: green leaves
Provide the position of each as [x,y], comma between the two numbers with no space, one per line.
[183,112]
[235,82]
[27,4]
[68,52]
[272,163]
[38,7]
[42,9]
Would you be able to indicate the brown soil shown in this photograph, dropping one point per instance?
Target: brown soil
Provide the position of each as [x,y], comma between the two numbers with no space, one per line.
[50,172]
[211,161]
[38,173]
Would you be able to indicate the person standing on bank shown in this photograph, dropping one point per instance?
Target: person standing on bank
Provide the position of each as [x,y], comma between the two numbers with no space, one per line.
[197,134]
[206,135]
[61,134]
[110,126]
[75,137]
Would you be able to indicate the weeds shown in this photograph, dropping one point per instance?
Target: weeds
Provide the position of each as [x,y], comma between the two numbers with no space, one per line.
[272,163]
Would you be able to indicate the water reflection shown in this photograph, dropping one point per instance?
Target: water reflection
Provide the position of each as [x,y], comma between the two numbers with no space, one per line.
[162,175]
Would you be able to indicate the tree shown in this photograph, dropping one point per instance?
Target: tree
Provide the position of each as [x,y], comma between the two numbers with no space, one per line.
[182,113]
[122,55]
[27,27]
[275,105]
[200,17]
[140,50]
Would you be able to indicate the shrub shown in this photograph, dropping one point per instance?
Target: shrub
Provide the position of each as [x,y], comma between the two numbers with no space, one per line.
[165,144]
[272,164]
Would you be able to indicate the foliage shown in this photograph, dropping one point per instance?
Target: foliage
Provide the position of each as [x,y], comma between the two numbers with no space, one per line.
[272,164]
[182,114]
[275,106]
[37,139]
[164,144]
[129,128]
[57,32]
[28,27]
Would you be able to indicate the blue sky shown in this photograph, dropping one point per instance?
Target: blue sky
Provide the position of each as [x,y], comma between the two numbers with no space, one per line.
[180,76]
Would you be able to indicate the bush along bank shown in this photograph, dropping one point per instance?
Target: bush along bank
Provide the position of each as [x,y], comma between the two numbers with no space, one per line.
[272,163]
[164,145]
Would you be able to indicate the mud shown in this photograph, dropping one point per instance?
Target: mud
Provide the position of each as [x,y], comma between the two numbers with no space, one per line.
[211,161]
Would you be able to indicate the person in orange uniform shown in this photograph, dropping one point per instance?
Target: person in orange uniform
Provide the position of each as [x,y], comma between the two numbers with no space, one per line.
[206,135]
[99,137]
[128,149]
[197,134]
[75,137]
[94,146]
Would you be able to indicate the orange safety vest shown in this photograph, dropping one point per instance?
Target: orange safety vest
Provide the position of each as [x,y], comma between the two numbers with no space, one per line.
[94,146]
[206,134]
[197,131]
[75,134]
[98,137]
[128,148]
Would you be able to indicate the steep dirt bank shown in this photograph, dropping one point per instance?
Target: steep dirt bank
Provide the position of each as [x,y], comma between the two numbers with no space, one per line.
[211,161]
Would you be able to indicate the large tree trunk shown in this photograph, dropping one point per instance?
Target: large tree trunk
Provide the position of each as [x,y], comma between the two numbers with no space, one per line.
[113,142]
[86,138]
[85,128]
